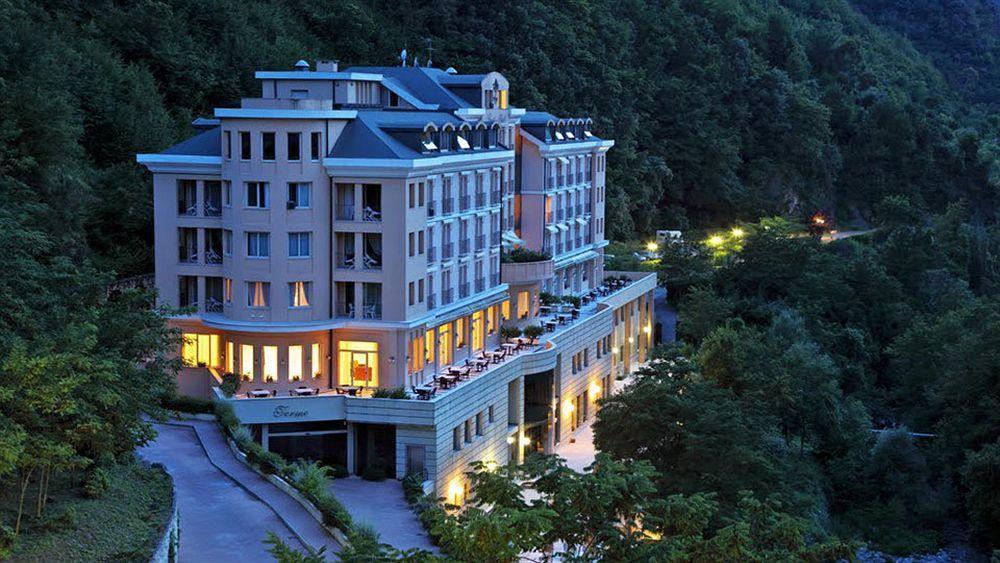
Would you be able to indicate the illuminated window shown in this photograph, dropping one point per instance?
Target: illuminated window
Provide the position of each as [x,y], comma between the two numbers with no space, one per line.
[477,330]
[315,359]
[523,304]
[200,349]
[299,294]
[503,99]
[460,332]
[358,364]
[295,363]
[230,360]
[505,309]
[258,294]
[246,362]
[429,346]
[444,344]
[270,357]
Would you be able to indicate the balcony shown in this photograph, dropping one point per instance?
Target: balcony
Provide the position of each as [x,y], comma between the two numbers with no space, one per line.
[579,209]
[561,215]
[371,263]
[463,247]
[431,253]
[344,212]
[213,305]
[526,273]
[495,197]
[480,200]
[447,296]
[447,250]
[448,206]
[372,310]
[463,203]
[431,301]
[579,242]
[463,290]
[480,242]
[480,285]
[213,208]
[372,215]
[213,255]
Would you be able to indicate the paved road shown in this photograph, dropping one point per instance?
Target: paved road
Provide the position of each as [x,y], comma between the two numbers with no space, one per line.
[220,521]
[382,505]
[664,316]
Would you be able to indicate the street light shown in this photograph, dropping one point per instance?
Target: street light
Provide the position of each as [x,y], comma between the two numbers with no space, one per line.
[652,246]
[737,232]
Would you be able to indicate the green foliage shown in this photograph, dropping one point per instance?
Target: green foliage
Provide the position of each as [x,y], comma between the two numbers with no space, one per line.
[509,332]
[226,417]
[283,553]
[390,393]
[267,461]
[241,435]
[533,331]
[310,477]
[96,483]
[546,298]
[183,403]
[413,486]
[981,478]
[703,311]
[230,383]
[519,255]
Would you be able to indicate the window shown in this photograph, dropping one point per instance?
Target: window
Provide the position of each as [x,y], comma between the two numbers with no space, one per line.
[295,363]
[245,153]
[463,143]
[490,414]
[294,148]
[227,144]
[314,145]
[227,291]
[299,294]
[412,245]
[299,195]
[358,364]
[420,242]
[246,362]
[227,242]
[270,361]
[230,357]
[479,424]
[258,245]
[412,292]
[416,459]
[258,294]
[468,431]
[227,193]
[298,245]
[420,189]
[420,290]
[258,195]
[413,192]
[200,349]
[456,438]
[267,145]
[314,359]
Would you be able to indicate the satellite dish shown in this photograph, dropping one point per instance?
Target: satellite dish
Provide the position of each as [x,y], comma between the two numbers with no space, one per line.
[451,70]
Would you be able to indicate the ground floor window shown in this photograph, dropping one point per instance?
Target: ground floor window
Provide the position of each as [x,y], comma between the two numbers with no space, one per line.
[523,304]
[270,357]
[415,460]
[295,363]
[315,360]
[358,364]
[200,349]
[477,331]
[444,344]
[230,359]
[246,362]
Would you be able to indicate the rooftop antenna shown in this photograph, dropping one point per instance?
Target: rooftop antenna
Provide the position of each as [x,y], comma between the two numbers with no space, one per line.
[402,57]
[430,52]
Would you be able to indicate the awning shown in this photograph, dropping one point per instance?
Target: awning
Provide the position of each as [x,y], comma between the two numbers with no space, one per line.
[581,221]
[551,228]
[563,227]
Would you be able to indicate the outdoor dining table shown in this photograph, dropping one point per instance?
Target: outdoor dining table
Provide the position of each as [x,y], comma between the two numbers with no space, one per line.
[259,393]
[348,390]
[495,356]
[480,363]
[544,310]
[510,347]
[304,391]
[447,380]
[563,318]
[458,371]
[424,391]
[550,326]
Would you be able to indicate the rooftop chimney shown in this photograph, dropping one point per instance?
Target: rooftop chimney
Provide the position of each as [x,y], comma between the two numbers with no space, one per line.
[327,65]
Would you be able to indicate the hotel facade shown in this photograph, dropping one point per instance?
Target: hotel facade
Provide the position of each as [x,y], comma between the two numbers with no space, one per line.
[360,230]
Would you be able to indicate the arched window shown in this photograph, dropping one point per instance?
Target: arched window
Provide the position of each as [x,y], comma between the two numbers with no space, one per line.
[550,131]
[462,138]
[494,135]
[588,126]
[559,131]
[429,138]
[481,133]
[447,137]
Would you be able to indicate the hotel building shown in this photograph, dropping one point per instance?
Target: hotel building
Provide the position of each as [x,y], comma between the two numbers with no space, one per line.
[351,231]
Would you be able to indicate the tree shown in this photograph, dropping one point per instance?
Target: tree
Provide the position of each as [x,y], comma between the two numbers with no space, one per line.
[981,479]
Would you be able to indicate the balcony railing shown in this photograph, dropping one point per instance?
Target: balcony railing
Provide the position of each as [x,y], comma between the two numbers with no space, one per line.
[561,214]
[345,310]
[344,212]
[494,279]
[587,207]
[447,206]
[447,296]
[431,301]
[494,238]
[372,215]
[213,305]
[579,209]
[480,242]
[431,254]
[447,250]
[480,285]
[463,290]
[495,197]
[372,310]
[463,203]
[463,247]
[548,183]
[480,199]
[371,262]
[188,256]
[187,207]
[579,242]
[213,256]
[213,208]
[431,211]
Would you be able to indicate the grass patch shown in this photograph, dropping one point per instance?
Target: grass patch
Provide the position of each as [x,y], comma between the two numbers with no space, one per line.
[124,524]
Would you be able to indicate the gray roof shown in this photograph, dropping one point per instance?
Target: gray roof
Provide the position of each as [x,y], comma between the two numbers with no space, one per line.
[208,143]
[371,134]
[428,84]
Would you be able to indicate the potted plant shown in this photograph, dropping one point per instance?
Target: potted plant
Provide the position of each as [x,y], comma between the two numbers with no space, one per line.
[533,332]
[509,333]
[547,298]
[572,300]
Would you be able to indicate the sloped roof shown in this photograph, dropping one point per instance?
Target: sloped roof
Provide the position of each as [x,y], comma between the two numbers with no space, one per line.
[369,136]
[208,143]
[427,84]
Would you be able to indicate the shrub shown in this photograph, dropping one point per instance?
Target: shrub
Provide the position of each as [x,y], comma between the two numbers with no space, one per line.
[390,393]
[310,477]
[365,545]
[339,471]
[374,472]
[183,403]
[533,331]
[227,418]
[413,486]
[571,300]
[6,540]
[509,332]
[269,463]
[241,435]
[548,299]
[66,519]
[334,513]
[523,255]
[230,383]
[96,483]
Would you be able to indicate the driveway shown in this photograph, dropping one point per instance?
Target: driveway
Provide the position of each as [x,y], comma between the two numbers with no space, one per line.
[220,521]
[381,504]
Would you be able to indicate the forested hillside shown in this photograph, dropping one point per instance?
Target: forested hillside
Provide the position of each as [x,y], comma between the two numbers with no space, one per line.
[721,109]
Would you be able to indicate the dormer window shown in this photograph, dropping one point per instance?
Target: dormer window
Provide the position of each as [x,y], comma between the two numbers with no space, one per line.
[447,132]
[427,141]
[559,136]
[481,134]
[463,144]
[570,135]
[494,137]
